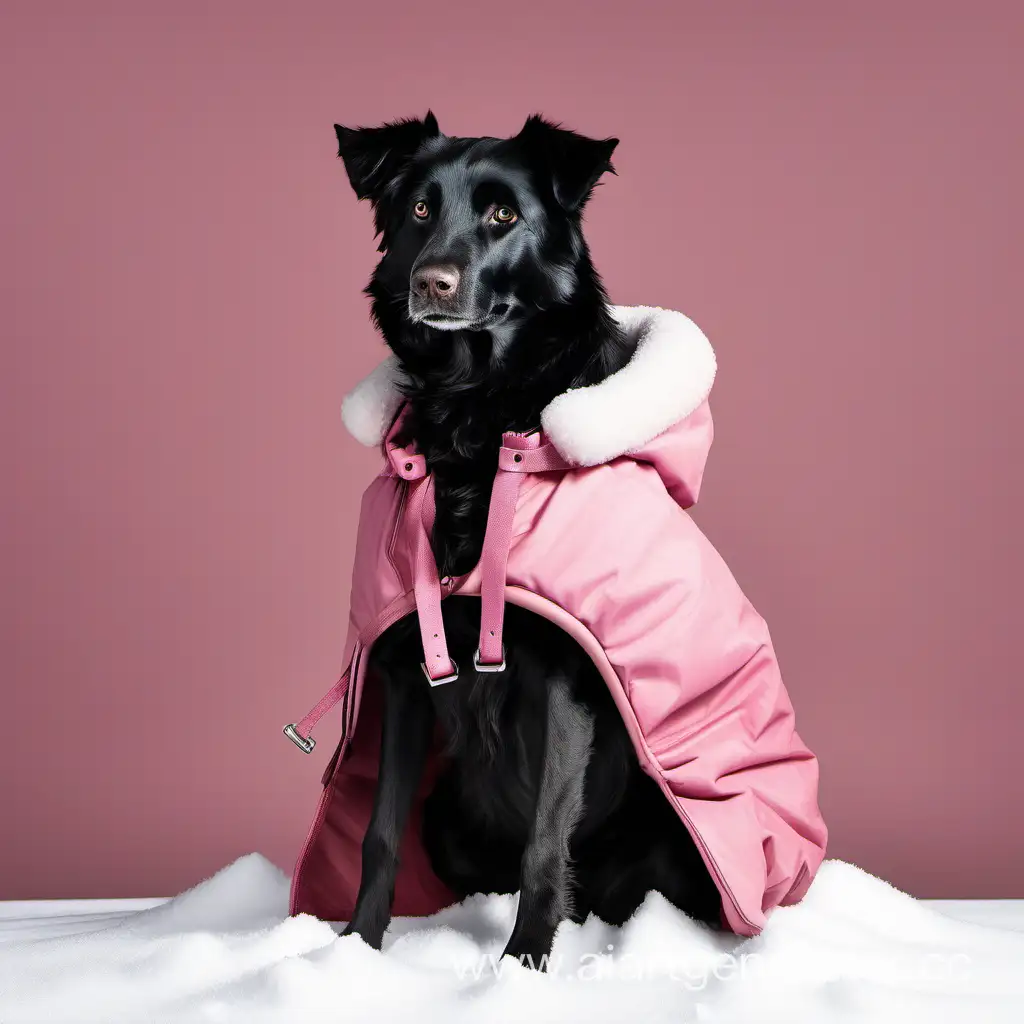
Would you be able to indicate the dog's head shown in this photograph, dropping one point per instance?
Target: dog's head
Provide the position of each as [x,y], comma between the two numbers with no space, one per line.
[477,233]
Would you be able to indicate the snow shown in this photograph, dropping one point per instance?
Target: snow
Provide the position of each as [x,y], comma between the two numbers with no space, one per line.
[855,949]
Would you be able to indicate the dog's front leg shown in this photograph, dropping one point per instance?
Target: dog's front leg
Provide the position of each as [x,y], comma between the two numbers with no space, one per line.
[406,730]
[545,893]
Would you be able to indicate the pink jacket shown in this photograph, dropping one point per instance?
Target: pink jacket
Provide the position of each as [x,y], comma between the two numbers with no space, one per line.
[588,528]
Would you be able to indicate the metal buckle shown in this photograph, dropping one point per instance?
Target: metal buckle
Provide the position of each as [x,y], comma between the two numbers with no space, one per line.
[443,679]
[487,667]
[304,743]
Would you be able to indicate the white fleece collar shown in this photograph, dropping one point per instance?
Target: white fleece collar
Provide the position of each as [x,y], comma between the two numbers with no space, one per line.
[668,376]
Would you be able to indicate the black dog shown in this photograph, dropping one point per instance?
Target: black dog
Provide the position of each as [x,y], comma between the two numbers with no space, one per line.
[487,294]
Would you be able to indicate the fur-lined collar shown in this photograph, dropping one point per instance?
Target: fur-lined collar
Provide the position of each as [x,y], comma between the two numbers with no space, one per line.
[668,376]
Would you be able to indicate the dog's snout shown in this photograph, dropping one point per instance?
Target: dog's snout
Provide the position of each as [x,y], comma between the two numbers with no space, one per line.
[440,282]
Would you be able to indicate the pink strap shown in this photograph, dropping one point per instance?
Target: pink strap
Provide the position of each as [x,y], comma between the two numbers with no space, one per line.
[410,465]
[519,454]
[299,733]
[407,463]
[437,663]
[493,563]
[326,702]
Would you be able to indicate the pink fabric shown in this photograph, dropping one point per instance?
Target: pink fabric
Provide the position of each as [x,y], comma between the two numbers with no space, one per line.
[610,554]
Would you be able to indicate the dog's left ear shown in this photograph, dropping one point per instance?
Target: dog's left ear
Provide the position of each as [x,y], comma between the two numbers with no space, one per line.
[575,162]
[375,157]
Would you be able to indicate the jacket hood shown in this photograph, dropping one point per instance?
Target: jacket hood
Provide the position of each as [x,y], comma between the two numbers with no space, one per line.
[653,409]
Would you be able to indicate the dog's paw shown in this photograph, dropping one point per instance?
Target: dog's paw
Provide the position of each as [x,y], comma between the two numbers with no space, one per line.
[372,939]
[535,956]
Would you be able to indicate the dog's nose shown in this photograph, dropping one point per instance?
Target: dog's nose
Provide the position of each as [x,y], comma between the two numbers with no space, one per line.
[438,282]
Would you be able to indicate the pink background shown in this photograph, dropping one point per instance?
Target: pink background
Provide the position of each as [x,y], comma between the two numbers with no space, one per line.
[831,191]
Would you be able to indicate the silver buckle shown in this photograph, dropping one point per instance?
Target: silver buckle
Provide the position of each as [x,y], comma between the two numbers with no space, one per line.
[304,743]
[443,679]
[485,666]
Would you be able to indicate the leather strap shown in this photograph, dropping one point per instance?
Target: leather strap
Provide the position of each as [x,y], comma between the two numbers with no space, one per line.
[332,697]
[437,663]
[519,454]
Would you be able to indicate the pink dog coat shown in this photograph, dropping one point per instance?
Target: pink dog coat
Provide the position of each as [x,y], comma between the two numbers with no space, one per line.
[587,527]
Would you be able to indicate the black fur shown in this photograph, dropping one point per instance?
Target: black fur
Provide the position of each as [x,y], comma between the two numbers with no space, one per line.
[487,294]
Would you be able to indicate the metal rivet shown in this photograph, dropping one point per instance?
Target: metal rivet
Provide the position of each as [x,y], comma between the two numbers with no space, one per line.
[408,467]
[517,457]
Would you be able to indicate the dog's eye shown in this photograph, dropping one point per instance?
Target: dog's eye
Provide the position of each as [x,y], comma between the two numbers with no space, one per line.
[421,210]
[504,215]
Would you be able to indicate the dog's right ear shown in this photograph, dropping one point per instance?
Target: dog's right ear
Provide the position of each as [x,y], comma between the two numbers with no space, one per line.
[375,157]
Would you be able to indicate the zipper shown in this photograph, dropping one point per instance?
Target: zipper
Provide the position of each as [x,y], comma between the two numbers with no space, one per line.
[399,515]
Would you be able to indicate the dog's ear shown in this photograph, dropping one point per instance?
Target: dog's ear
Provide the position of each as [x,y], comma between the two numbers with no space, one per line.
[573,161]
[375,157]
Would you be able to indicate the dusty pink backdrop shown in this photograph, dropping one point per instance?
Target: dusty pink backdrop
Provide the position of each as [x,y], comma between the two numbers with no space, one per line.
[834,195]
